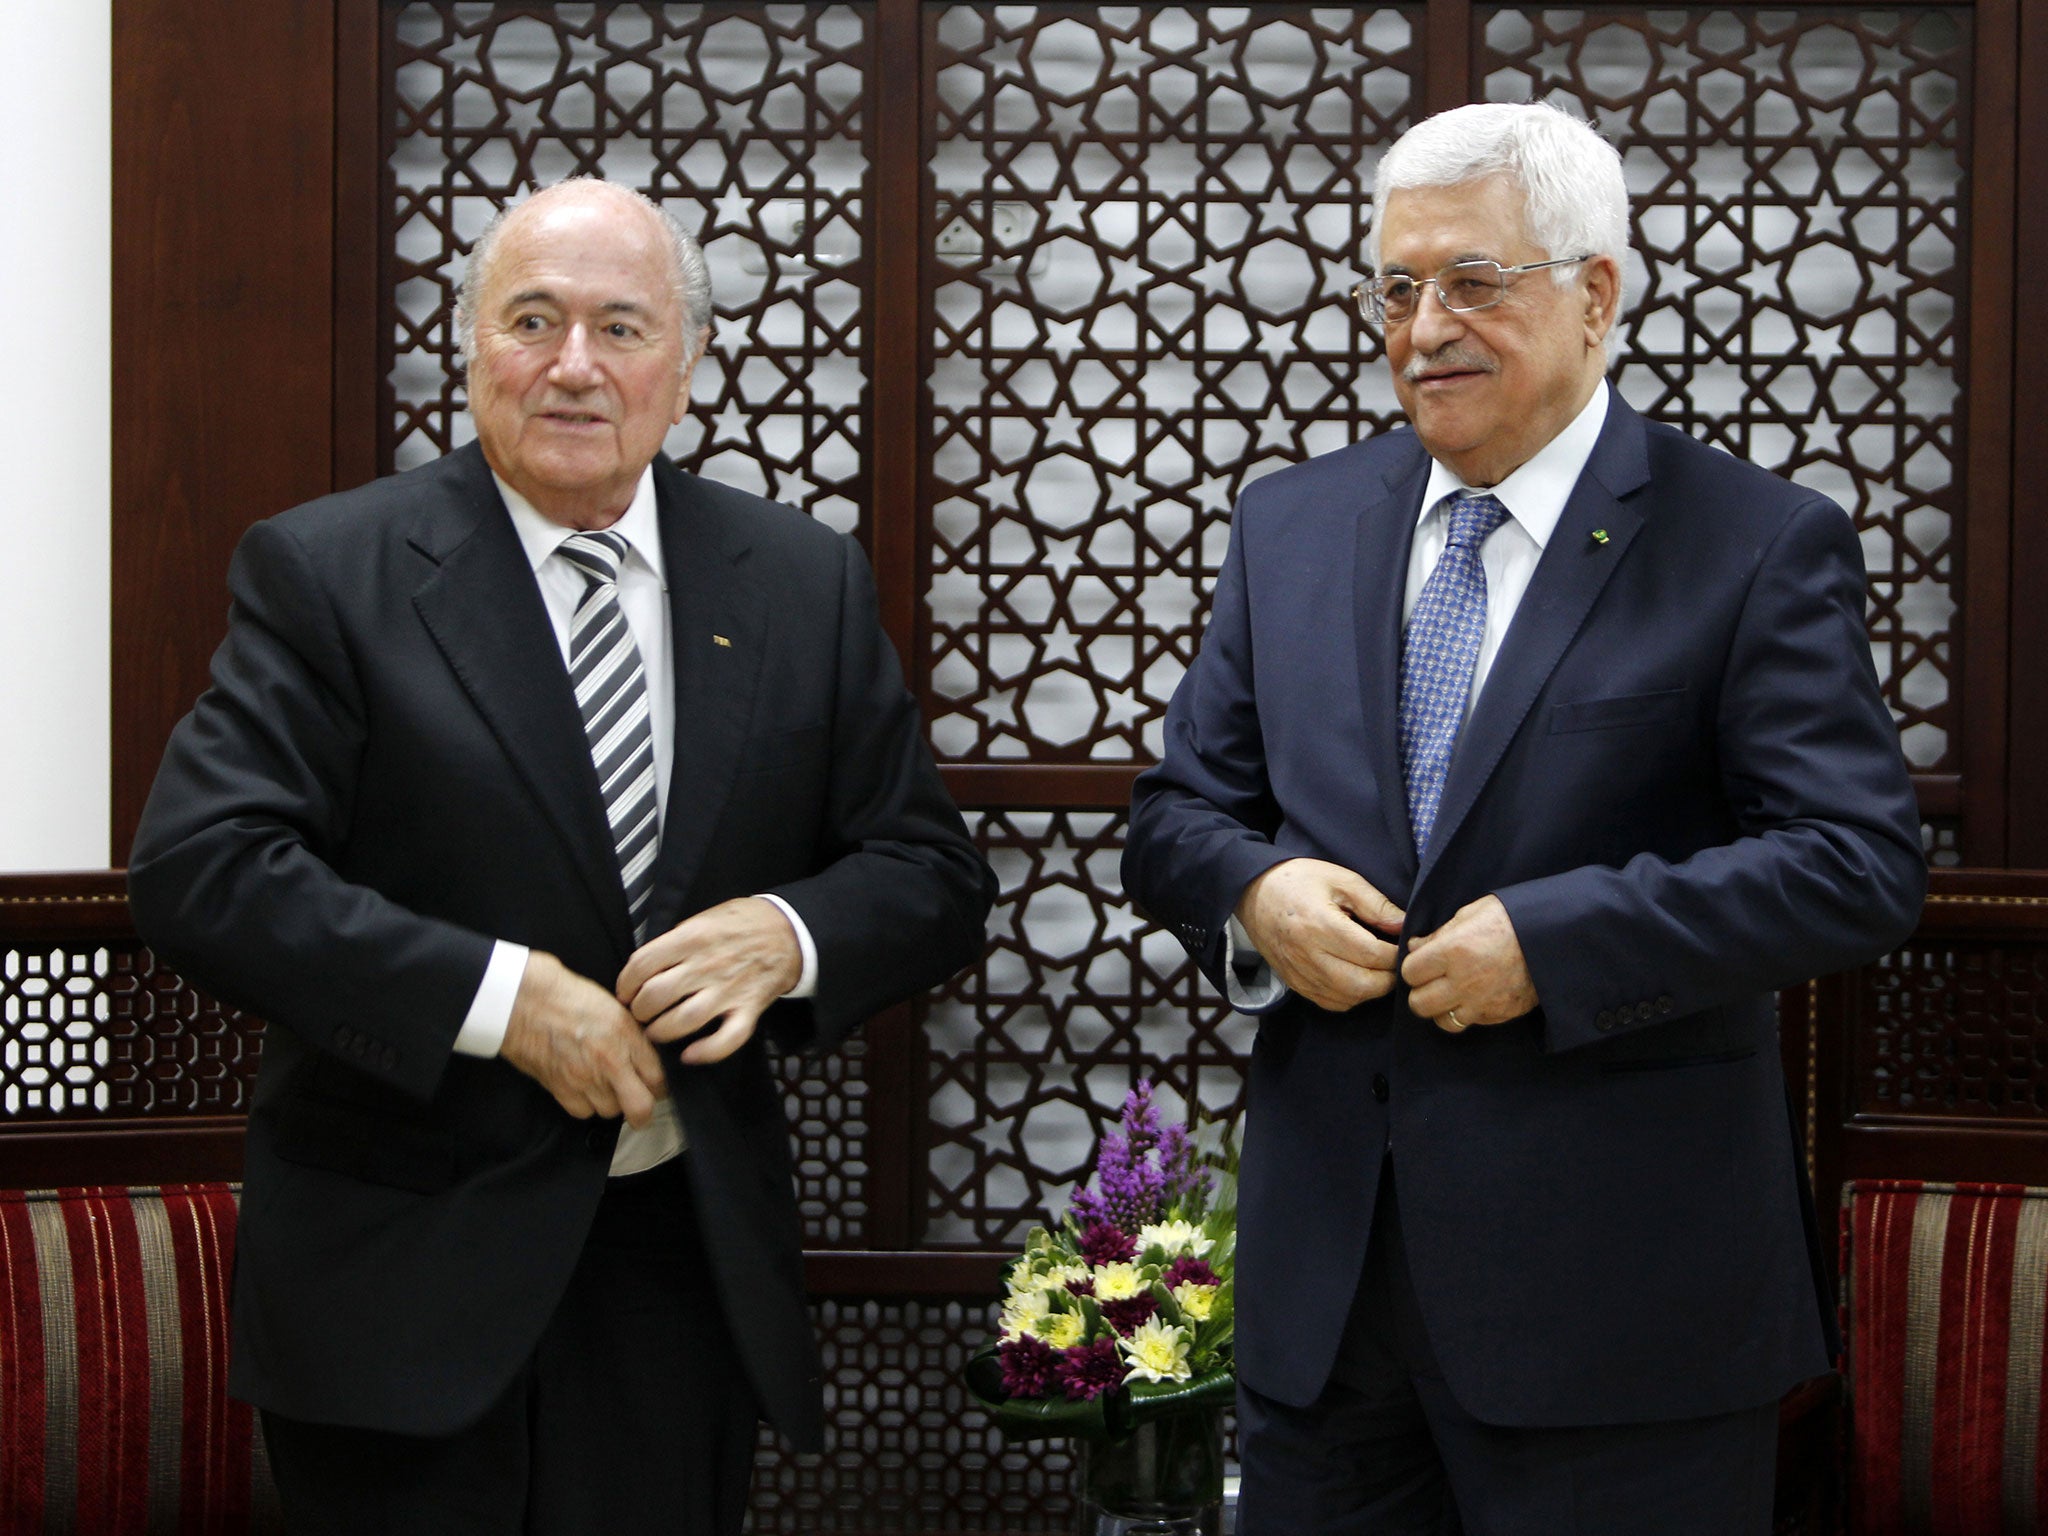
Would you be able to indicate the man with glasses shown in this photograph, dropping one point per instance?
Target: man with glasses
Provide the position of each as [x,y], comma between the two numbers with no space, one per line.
[1528,753]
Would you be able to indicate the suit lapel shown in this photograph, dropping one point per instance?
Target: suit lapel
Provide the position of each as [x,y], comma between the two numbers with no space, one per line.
[718,631]
[484,610]
[1385,533]
[1569,578]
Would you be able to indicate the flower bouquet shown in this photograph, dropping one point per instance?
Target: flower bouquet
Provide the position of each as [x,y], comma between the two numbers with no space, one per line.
[1116,1329]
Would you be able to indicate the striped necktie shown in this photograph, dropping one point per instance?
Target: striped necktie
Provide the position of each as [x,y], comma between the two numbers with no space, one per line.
[1438,654]
[611,694]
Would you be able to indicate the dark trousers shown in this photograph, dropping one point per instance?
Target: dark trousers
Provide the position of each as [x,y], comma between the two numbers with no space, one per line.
[1387,1451]
[633,1415]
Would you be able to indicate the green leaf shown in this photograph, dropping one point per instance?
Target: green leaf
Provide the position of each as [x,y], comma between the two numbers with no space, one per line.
[1224,1308]
[1221,1230]
[1157,1399]
[1169,1309]
[1223,1198]
[1091,1314]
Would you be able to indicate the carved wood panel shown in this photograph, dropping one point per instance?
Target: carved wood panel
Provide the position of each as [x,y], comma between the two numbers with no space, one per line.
[1033,1049]
[102,1030]
[905,1449]
[1800,181]
[1955,1027]
[826,1101]
[745,121]
[1147,221]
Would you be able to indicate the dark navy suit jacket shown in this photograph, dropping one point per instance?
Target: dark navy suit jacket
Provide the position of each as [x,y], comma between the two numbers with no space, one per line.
[1682,783]
[389,773]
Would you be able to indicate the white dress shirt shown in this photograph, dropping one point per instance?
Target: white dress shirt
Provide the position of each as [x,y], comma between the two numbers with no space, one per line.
[1535,496]
[643,598]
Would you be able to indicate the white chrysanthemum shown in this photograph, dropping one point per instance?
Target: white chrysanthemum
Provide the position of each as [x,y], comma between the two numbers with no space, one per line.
[1023,1309]
[1176,1237]
[1158,1352]
[1196,1301]
[1119,1282]
[1062,1330]
[1056,1278]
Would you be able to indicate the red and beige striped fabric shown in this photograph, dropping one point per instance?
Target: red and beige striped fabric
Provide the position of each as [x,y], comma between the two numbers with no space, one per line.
[114,1413]
[1943,1307]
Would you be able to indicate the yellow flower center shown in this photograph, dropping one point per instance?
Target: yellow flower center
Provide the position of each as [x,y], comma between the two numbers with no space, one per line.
[1118,1282]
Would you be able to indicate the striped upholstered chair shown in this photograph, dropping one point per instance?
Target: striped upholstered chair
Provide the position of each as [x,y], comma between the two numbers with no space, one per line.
[1943,1320]
[114,1413]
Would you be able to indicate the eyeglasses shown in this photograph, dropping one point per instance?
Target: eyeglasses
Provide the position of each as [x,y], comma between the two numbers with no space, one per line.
[1461,288]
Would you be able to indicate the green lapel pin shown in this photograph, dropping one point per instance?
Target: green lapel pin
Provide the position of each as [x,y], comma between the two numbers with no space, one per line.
[1599,535]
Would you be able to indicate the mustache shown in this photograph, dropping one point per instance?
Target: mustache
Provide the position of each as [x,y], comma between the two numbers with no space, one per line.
[1446,358]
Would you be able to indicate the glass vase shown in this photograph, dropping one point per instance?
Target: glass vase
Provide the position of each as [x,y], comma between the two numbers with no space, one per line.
[1164,1478]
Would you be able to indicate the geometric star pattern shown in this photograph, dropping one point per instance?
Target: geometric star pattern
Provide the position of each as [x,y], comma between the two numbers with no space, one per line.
[1148,219]
[746,123]
[1032,1049]
[1799,180]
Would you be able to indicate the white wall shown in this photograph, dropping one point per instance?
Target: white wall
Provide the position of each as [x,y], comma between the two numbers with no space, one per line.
[55,433]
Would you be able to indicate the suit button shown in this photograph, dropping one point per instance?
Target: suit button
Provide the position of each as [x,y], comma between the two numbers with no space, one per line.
[1645,1012]
[1379,1086]
[1664,1005]
[1605,1020]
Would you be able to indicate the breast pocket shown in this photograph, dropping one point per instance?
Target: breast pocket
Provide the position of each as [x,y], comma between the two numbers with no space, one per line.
[1622,710]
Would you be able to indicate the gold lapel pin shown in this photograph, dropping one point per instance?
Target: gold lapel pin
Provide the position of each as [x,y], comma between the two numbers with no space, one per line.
[721,640]
[1599,535]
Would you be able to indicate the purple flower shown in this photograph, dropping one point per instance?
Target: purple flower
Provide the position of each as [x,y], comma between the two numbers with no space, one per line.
[1185,1181]
[1084,1286]
[1104,1244]
[1187,1270]
[1089,1370]
[1030,1366]
[1129,1315]
[1142,1172]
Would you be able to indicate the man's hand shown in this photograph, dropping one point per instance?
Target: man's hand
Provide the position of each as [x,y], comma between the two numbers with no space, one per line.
[1470,971]
[730,961]
[573,1038]
[1314,922]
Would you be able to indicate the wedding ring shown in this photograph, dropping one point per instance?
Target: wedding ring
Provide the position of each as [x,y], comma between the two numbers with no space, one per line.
[1457,1024]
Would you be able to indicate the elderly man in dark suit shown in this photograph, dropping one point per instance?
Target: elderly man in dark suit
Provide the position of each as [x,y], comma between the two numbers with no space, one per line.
[1527,753]
[529,783]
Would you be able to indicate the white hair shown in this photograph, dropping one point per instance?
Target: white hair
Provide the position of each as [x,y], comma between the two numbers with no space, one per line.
[688,273]
[1574,199]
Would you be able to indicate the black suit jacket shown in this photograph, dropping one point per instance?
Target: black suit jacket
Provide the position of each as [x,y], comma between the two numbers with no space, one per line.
[387,774]
[1681,781]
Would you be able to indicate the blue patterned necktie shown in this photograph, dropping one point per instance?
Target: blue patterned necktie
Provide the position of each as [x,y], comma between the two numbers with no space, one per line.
[1438,654]
[611,694]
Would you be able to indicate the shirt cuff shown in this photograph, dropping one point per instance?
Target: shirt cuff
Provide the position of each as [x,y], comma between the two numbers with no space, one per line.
[1248,982]
[807,979]
[490,1011]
